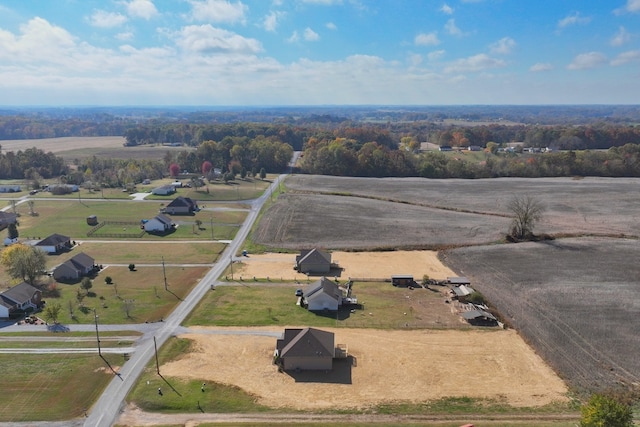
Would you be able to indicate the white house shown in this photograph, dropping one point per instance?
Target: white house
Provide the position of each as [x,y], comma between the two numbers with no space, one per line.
[164,190]
[322,295]
[159,224]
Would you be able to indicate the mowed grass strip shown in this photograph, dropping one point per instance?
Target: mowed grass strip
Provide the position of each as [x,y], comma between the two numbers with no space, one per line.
[142,293]
[104,343]
[145,252]
[52,386]
[382,306]
[70,218]
[180,395]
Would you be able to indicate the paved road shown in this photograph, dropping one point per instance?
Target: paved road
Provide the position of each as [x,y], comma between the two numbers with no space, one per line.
[108,407]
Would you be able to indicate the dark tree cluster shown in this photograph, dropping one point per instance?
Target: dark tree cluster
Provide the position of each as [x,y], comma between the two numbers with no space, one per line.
[31,163]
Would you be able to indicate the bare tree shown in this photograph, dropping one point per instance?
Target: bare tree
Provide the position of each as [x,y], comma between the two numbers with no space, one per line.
[127,306]
[527,211]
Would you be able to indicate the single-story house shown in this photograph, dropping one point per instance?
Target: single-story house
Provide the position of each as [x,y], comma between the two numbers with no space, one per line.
[462,292]
[164,190]
[322,295]
[10,189]
[20,297]
[457,281]
[159,224]
[480,317]
[445,148]
[7,218]
[181,205]
[305,349]
[75,268]
[55,244]
[313,261]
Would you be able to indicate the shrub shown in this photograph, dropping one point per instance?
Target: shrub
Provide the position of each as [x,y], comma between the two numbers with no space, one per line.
[132,267]
[604,411]
[108,280]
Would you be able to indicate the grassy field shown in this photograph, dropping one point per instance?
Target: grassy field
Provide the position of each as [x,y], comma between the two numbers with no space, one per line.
[142,292]
[382,307]
[69,218]
[53,386]
[184,396]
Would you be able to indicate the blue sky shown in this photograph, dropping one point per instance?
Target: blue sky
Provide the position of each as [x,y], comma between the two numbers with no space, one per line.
[319,52]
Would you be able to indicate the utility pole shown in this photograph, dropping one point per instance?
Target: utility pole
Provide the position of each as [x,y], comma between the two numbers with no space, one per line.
[95,316]
[155,346]
[231,265]
[164,273]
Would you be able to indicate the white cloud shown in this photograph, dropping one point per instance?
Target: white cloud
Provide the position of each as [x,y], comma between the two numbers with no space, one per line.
[310,35]
[423,39]
[632,6]
[626,57]
[270,22]
[435,55]
[446,9]
[503,46]
[104,19]
[294,38]
[541,66]
[474,63]
[206,39]
[621,37]
[574,19]
[218,11]
[452,29]
[331,26]
[587,60]
[127,35]
[323,2]
[141,9]
[415,59]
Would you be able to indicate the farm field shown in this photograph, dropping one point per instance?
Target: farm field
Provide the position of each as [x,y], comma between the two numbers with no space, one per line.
[371,213]
[552,287]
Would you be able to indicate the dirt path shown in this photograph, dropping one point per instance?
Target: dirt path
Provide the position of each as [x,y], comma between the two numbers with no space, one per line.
[355,264]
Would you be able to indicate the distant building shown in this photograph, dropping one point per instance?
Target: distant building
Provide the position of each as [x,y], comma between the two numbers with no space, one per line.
[181,205]
[164,190]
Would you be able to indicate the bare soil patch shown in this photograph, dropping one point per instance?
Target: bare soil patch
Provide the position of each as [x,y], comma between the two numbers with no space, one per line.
[354,264]
[386,366]
[57,145]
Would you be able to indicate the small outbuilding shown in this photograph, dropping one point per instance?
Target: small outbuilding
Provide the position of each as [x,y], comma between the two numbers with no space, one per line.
[92,220]
[403,280]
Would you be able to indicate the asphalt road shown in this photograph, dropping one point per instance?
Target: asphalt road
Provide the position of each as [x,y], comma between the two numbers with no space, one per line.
[107,408]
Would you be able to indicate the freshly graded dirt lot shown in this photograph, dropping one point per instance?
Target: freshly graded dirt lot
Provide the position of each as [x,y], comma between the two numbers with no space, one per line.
[410,366]
[355,265]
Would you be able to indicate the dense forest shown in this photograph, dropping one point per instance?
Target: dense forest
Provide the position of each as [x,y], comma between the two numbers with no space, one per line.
[349,141]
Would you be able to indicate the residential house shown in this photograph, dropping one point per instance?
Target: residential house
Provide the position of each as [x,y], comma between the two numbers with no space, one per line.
[22,297]
[462,292]
[313,261]
[305,349]
[63,188]
[181,205]
[322,295]
[480,317]
[457,281]
[164,190]
[75,268]
[160,224]
[7,218]
[55,244]
[10,189]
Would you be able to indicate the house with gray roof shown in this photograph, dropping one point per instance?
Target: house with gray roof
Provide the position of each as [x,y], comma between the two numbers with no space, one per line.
[305,349]
[313,261]
[75,268]
[21,297]
[323,294]
[159,224]
[55,244]
[181,206]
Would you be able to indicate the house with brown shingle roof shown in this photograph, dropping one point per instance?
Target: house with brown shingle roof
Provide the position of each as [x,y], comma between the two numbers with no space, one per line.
[305,349]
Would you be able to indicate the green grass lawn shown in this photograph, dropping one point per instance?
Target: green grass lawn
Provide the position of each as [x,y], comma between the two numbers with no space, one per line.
[185,395]
[69,218]
[53,386]
[142,292]
[385,307]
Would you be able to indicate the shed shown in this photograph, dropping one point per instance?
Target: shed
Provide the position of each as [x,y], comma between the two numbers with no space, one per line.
[92,220]
[402,280]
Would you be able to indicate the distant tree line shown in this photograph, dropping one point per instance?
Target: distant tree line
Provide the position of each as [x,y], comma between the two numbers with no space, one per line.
[29,163]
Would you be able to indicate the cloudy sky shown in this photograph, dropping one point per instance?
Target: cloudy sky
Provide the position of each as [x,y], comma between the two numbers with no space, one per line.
[311,52]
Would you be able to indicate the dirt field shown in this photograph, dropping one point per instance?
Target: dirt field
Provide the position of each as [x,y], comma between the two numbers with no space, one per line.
[355,264]
[411,366]
[57,145]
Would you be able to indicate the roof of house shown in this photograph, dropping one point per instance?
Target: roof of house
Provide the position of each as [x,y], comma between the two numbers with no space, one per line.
[82,261]
[314,256]
[458,280]
[165,187]
[163,219]
[180,202]
[53,240]
[462,290]
[308,342]
[20,293]
[7,216]
[325,286]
